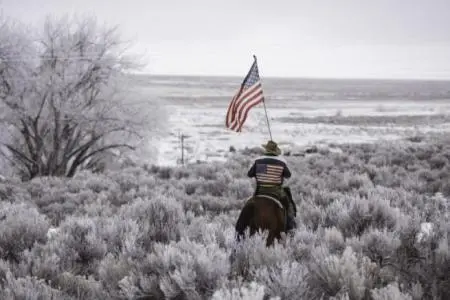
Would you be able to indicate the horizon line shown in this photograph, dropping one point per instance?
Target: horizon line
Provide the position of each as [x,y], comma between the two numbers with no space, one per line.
[292,77]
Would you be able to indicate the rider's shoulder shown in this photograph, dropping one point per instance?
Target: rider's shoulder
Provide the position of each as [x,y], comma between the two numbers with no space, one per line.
[268,158]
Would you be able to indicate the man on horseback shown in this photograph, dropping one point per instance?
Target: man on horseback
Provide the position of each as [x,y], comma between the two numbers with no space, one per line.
[269,171]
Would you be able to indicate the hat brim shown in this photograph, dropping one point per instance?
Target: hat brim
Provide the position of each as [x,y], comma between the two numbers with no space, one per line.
[276,151]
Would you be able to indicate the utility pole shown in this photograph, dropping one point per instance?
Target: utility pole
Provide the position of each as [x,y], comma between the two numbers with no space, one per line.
[182,137]
[182,149]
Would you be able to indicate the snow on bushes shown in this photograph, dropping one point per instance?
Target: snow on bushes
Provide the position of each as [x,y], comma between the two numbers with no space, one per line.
[373,223]
[21,226]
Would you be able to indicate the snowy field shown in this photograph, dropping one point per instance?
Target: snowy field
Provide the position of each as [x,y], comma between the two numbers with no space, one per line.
[373,219]
[301,113]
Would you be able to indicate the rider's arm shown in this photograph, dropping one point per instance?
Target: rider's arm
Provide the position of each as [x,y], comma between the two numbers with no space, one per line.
[252,171]
[286,172]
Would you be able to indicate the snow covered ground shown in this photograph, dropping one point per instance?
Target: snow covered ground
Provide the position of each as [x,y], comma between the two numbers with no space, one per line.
[210,140]
[196,107]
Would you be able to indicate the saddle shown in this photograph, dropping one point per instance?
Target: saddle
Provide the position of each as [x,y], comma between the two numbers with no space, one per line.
[275,198]
[286,202]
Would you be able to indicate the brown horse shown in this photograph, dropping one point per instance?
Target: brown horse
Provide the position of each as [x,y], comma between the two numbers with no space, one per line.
[262,212]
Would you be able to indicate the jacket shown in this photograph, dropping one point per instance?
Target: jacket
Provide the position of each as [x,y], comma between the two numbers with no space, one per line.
[269,171]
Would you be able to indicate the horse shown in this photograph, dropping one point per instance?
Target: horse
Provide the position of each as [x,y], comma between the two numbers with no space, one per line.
[262,212]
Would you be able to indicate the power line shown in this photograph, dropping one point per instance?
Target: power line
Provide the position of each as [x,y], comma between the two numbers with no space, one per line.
[80,58]
[88,55]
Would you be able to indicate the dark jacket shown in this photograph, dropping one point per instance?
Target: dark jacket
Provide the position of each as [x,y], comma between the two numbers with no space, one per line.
[269,171]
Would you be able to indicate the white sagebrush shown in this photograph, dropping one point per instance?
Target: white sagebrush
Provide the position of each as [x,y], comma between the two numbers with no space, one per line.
[21,226]
[188,266]
[286,279]
[251,291]
[390,292]
[333,274]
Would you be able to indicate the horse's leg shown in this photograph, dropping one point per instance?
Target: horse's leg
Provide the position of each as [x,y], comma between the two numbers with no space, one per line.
[243,220]
[277,227]
[271,238]
[275,232]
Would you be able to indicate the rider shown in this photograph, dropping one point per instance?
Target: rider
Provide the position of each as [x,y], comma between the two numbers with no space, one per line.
[270,171]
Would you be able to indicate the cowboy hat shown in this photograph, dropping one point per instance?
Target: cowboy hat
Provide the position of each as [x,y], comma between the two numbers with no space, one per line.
[272,148]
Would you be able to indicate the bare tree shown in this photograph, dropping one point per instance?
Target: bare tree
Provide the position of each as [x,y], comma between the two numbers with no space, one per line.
[60,98]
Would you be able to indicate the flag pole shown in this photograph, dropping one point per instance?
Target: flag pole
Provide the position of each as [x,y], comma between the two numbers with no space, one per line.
[264,103]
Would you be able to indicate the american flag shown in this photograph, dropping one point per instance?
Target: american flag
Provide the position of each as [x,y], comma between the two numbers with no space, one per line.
[269,173]
[250,94]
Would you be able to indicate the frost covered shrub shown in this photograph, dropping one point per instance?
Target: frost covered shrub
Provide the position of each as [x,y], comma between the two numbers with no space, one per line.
[121,235]
[191,186]
[155,234]
[401,157]
[285,279]
[303,243]
[318,164]
[59,204]
[204,184]
[132,179]
[99,182]
[12,190]
[399,198]
[211,187]
[425,153]
[181,173]
[425,258]
[207,171]
[190,203]
[380,246]
[80,287]
[68,260]
[239,189]
[60,197]
[217,206]
[348,181]
[242,291]
[385,177]
[311,215]
[323,198]
[21,226]
[435,207]
[353,215]
[389,292]
[159,219]
[334,240]
[162,172]
[438,161]
[306,185]
[335,275]
[82,242]
[112,271]
[252,253]
[209,230]
[28,288]
[182,270]
[423,261]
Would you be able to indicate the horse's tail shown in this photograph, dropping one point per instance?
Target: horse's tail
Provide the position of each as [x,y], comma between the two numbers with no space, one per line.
[270,215]
[262,212]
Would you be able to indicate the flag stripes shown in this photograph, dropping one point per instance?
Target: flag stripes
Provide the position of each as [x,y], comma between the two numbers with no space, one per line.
[249,95]
[269,174]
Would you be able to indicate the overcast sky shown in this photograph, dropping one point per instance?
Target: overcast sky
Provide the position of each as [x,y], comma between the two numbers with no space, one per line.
[315,38]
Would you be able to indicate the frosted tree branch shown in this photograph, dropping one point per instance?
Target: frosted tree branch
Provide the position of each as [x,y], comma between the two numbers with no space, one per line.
[63,109]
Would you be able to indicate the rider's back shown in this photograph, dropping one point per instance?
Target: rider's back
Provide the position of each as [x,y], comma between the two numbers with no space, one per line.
[269,170]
